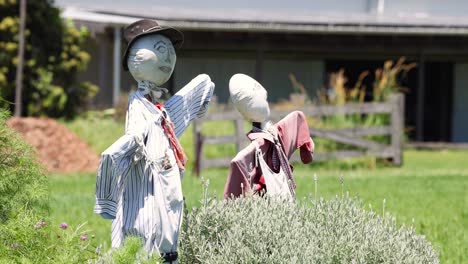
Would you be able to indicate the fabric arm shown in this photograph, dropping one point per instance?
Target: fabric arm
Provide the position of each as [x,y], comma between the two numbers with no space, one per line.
[136,126]
[106,183]
[115,162]
[206,102]
[237,181]
[191,101]
[293,131]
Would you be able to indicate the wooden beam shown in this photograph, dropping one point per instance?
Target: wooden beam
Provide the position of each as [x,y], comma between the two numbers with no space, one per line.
[398,123]
[420,100]
[198,148]
[366,131]
[351,136]
[313,111]
[346,139]
[103,68]
[330,44]
[325,110]
[349,132]
[219,162]
[220,140]
[232,115]
[117,62]
[344,154]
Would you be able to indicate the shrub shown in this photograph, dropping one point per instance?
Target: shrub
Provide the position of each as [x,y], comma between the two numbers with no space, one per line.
[258,230]
[53,57]
[26,235]
[130,252]
[23,185]
[30,238]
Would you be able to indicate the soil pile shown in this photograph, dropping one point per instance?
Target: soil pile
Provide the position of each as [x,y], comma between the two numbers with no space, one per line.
[57,148]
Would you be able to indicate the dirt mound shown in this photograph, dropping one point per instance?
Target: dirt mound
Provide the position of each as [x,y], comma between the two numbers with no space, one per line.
[58,149]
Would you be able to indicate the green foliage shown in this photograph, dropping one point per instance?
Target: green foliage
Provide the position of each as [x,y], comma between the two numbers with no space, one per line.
[386,79]
[339,93]
[25,234]
[258,230]
[47,95]
[385,83]
[28,238]
[130,252]
[53,57]
[22,181]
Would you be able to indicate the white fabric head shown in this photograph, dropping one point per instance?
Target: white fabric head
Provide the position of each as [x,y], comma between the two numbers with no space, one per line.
[249,97]
[152,58]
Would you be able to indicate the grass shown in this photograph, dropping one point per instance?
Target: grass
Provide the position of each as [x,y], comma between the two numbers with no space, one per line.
[430,189]
[99,133]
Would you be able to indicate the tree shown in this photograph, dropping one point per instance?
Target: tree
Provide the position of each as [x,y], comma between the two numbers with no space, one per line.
[53,57]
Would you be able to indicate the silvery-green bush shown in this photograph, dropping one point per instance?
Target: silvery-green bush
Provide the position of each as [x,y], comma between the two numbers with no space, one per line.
[259,230]
[131,252]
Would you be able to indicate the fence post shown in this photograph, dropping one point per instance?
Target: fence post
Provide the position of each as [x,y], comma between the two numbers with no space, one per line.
[397,123]
[198,139]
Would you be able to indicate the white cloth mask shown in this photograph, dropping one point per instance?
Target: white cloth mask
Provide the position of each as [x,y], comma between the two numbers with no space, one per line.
[152,58]
[249,97]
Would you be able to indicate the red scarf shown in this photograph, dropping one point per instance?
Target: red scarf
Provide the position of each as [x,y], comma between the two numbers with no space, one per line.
[168,127]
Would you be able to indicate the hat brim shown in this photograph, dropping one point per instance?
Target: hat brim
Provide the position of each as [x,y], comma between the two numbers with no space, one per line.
[174,35]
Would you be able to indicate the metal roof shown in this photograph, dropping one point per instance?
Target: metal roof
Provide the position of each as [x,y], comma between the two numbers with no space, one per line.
[353,16]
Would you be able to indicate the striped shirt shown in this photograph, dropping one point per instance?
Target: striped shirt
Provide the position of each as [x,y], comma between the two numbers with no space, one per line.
[143,197]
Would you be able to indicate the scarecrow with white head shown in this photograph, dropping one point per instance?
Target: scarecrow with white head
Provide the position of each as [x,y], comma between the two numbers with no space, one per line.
[138,184]
[263,166]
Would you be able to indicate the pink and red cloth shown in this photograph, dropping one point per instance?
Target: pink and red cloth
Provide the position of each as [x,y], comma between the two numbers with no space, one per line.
[293,133]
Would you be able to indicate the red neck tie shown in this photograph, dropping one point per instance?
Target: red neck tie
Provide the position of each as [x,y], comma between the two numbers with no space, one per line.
[168,127]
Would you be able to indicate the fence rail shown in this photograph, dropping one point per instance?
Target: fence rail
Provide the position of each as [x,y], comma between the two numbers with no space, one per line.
[350,136]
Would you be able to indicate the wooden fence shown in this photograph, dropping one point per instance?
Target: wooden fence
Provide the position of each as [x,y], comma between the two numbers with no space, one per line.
[350,136]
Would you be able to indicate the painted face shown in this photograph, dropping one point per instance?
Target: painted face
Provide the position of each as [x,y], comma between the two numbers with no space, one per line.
[152,58]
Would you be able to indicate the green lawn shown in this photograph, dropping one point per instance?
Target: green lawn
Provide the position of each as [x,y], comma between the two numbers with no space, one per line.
[430,189]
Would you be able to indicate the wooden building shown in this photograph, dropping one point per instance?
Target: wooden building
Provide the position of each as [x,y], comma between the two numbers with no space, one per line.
[271,39]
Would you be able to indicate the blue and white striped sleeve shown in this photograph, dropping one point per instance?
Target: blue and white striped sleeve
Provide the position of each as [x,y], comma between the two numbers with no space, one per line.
[190,102]
[135,122]
[115,162]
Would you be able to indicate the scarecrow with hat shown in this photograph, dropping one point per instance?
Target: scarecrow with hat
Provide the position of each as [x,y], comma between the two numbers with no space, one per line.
[263,166]
[138,184]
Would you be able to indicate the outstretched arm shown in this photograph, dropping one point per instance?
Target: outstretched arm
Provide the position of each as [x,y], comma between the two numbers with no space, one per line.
[190,102]
[294,133]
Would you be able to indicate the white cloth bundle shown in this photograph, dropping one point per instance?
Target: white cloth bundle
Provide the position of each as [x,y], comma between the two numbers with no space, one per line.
[249,97]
